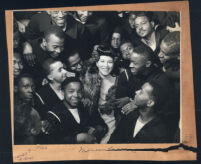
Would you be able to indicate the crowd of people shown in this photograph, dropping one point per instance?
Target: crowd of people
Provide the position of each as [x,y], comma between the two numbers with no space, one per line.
[96,77]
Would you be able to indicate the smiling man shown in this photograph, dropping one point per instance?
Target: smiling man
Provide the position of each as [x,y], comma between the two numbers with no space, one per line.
[141,69]
[51,45]
[69,119]
[150,34]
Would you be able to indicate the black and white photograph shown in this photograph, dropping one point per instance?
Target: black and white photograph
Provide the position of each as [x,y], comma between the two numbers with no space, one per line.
[96,77]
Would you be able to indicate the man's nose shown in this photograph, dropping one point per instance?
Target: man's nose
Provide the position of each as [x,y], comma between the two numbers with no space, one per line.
[131,65]
[61,14]
[160,55]
[58,50]
[79,66]
[30,89]
[17,65]
[136,92]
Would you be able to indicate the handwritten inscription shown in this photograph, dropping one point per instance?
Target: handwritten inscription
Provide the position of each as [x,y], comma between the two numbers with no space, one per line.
[26,156]
[85,150]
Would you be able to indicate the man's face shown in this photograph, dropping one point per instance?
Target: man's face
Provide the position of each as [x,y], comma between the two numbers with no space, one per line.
[26,88]
[84,15]
[137,63]
[54,45]
[164,50]
[131,20]
[126,50]
[58,18]
[116,40]
[143,26]
[73,94]
[143,95]
[17,64]
[16,39]
[57,72]
[105,65]
[75,63]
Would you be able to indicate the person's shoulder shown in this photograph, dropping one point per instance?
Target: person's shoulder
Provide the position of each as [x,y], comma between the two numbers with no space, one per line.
[161,32]
[58,109]
[125,75]
[44,89]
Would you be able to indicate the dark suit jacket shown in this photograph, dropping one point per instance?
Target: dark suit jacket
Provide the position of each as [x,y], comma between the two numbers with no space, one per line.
[153,132]
[45,100]
[65,128]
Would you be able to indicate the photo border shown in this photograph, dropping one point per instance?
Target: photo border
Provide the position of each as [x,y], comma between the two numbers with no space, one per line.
[186,150]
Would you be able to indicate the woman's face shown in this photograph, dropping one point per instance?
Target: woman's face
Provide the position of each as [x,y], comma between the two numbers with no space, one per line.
[116,40]
[105,65]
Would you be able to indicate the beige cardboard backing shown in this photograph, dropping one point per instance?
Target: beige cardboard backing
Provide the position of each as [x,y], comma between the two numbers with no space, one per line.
[29,153]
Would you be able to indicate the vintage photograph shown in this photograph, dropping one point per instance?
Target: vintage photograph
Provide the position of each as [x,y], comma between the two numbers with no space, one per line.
[96,77]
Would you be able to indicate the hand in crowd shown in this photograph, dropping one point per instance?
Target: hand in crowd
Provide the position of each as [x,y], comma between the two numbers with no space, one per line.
[85,138]
[119,103]
[129,107]
[46,127]
[21,27]
[28,54]
[175,28]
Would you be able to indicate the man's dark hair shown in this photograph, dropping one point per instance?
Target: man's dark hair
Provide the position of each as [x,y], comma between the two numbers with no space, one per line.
[126,41]
[159,93]
[72,53]
[172,41]
[46,65]
[54,30]
[147,14]
[23,75]
[145,51]
[69,80]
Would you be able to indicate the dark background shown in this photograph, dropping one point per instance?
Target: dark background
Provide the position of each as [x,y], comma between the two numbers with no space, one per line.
[5,123]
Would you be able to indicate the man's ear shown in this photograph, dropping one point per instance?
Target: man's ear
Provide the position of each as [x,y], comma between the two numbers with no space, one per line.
[150,103]
[44,42]
[50,77]
[152,24]
[97,64]
[148,64]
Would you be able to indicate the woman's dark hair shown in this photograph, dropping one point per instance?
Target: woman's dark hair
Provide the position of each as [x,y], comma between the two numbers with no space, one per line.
[104,51]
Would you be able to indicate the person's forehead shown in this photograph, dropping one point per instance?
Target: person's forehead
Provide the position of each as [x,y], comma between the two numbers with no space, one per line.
[82,12]
[116,35]
[26,80]
[147,88]
[55,39]
[125,45]
[136,57]
[16,56]
[55,66]
[74,57]
[132,16]
[73,85]
[102,57]
[141,18]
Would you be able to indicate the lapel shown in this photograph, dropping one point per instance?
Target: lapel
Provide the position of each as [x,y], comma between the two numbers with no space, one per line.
[72,28]
[145,127]
[71,117]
